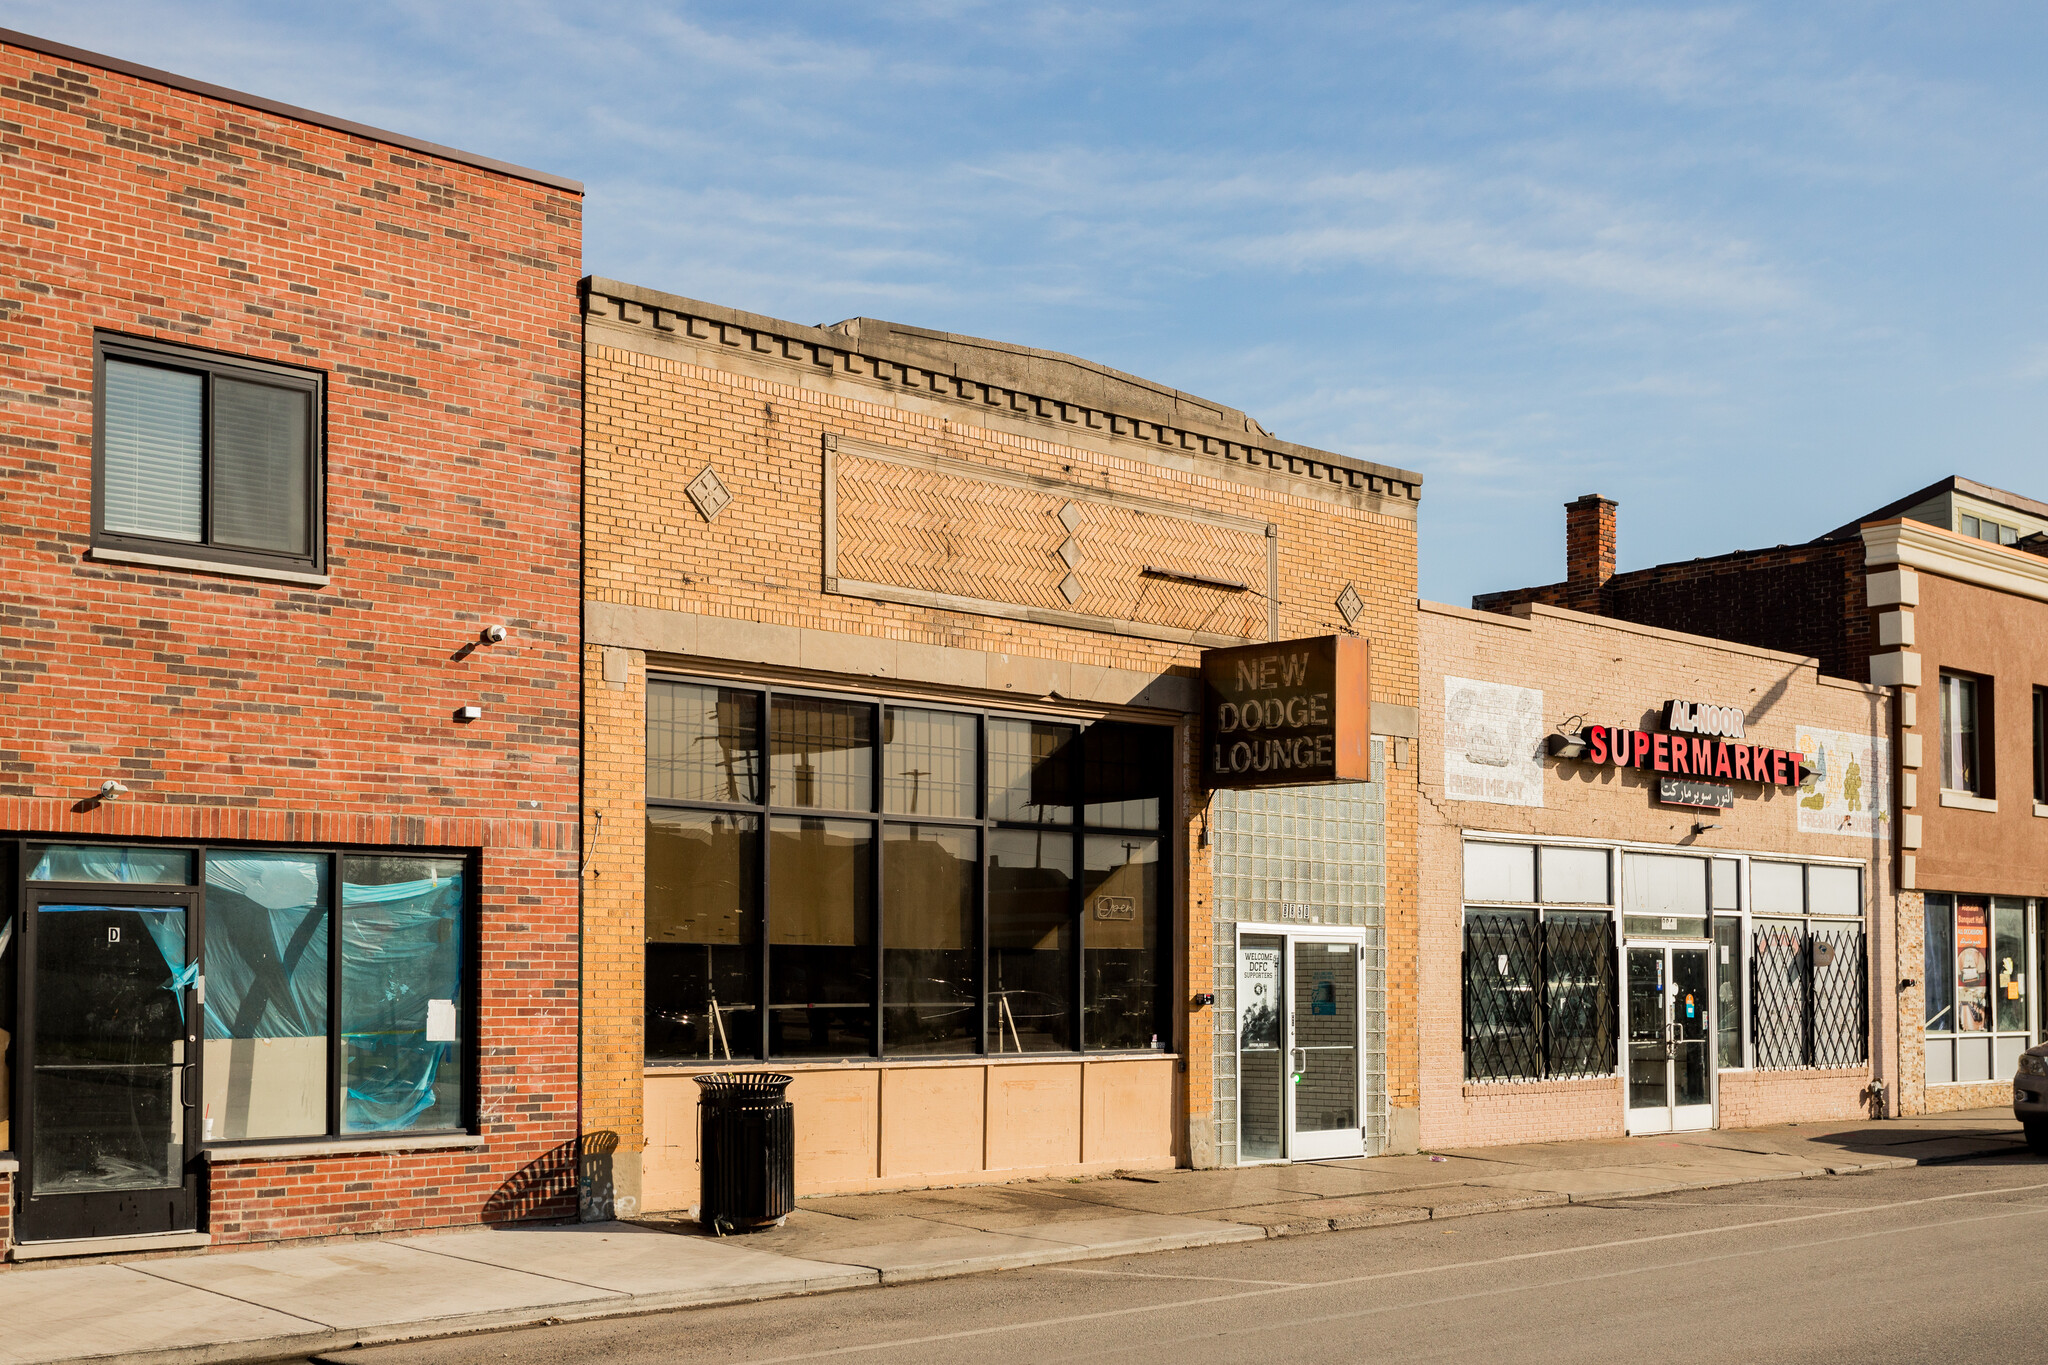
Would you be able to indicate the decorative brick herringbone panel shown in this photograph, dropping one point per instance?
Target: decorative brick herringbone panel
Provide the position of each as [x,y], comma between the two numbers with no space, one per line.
[934,531]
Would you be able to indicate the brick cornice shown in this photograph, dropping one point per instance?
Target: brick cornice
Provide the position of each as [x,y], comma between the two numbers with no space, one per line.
[1147,414]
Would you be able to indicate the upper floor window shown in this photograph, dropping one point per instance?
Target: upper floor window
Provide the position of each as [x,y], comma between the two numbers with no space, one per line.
[2041,745]
[1962,769]
[201,457]
[1992,531]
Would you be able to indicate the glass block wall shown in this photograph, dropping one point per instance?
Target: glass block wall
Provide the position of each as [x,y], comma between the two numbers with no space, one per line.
[1302,855]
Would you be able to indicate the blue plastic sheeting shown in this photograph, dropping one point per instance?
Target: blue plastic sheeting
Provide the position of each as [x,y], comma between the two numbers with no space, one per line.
[401,948]
[167,932]
[113,863]
[266,945]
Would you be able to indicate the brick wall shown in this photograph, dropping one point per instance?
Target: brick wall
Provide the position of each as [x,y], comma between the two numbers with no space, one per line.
[740,396]
[1797,599]
[1612,672]
[438,297]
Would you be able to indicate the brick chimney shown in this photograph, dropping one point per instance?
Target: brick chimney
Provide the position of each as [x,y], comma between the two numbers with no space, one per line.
[1588,552]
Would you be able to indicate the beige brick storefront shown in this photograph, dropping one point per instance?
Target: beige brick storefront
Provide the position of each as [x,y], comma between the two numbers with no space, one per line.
[885,532]
[1814,981]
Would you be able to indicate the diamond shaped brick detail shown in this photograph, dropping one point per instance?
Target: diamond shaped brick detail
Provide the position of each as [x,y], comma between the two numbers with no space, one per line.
[1070,552]
[1070,517]
[1349,602]
[709,492]
[1070,588]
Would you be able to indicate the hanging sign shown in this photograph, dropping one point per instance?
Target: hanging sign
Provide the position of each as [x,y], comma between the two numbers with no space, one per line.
[1287,713]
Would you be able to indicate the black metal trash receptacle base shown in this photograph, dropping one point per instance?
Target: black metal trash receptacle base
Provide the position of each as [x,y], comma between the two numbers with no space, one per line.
[746,1149]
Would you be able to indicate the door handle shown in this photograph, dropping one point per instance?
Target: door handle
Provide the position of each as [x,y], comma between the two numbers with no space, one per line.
[185,1070]
[1298,1060]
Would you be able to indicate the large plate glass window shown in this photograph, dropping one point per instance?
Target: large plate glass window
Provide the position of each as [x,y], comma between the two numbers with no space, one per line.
[832,876]
[200,456]
[1979,1012]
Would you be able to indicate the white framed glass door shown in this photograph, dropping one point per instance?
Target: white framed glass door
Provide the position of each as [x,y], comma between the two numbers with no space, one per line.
[1300,1044]
[1668,1024]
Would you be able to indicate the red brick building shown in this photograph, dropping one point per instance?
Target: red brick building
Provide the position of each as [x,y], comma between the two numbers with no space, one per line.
[289,580]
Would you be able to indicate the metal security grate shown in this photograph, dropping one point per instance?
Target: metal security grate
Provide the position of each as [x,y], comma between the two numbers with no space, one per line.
[1579,1003]
[1808,996]
[1839,1025]
[1501,1016]
[1778,992]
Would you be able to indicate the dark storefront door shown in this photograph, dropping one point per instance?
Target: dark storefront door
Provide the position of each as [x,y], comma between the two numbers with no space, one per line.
[108,1053]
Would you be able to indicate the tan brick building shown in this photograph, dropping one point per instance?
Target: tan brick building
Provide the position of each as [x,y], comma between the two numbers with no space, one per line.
[890,691]
[1598,958]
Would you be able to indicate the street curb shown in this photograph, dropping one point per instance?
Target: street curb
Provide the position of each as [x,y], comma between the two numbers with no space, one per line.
[322,1345]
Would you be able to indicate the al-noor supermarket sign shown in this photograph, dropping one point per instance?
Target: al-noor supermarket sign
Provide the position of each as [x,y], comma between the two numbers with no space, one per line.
[1692,751]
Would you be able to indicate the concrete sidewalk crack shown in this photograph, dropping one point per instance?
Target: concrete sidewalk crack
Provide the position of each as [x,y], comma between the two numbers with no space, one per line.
[224,1294]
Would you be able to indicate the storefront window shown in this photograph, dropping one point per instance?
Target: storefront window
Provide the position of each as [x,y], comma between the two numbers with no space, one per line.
[1030,941]
[1973,965]
[821,937]
[336,995]
[1808,975]
[1120,921]
[1023,915]
[1539,981]
[2009,965]
[1940,945]
[703,909]
[267,936]
[931,966]
[1728,993]
[1979,1015]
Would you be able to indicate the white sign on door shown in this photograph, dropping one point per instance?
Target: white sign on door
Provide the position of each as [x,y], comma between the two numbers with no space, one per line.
[1258,999]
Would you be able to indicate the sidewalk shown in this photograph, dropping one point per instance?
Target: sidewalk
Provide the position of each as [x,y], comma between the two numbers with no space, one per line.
[266,1304]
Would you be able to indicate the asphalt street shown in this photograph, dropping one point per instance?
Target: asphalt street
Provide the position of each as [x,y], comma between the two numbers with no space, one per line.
[1940,1263]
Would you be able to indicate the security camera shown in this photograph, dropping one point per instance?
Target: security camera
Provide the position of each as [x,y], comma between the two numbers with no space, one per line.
[110,790]
[494,634]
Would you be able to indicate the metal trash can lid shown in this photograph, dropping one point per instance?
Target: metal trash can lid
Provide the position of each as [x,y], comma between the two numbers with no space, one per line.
[770,1083]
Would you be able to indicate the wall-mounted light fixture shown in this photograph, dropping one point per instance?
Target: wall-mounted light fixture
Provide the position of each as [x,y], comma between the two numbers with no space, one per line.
[465,714]
[1566,746]
[1702,829]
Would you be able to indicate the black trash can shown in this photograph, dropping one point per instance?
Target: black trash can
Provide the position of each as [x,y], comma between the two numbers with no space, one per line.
[746,1148]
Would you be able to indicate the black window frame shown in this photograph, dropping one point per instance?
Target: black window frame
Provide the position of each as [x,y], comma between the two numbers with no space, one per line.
[469,1109]
[212,365]
[879,818]
[2040,745]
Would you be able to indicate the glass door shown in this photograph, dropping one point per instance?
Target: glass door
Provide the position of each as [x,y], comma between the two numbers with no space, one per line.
[1670,1034]
[1299,1093]
[1323,1049]
[109,1053]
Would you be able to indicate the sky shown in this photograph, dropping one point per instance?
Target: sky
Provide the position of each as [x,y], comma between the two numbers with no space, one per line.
[1749,270]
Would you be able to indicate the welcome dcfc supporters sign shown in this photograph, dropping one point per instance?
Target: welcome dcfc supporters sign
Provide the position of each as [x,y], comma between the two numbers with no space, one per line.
[1287,713]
